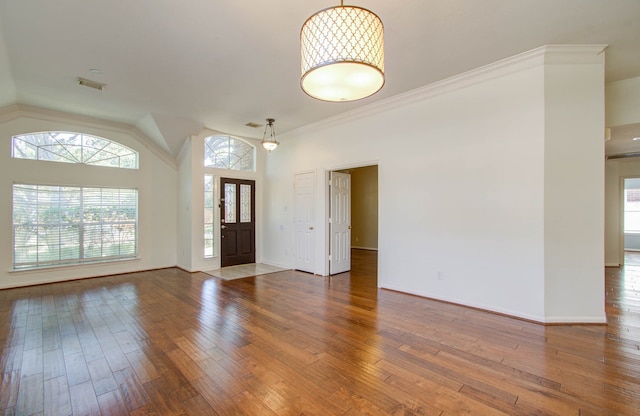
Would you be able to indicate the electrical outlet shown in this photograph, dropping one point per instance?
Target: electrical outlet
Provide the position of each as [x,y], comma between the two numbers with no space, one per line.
[440,276]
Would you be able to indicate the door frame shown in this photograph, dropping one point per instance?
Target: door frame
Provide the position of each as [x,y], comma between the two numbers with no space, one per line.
[253,222]
[621,214]
[315,219]
[326,210]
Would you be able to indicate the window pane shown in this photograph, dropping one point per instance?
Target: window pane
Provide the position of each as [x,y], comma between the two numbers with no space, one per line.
[69,147]
[69,225]
[224,152]
[208,248]
[208,215]
[245,203]
[229,203]
[632,210]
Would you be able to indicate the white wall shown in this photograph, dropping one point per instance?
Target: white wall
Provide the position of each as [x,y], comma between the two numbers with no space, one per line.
[462,190]
[623,102]
[7,88]
[156,181]
[574,190]
[185,206]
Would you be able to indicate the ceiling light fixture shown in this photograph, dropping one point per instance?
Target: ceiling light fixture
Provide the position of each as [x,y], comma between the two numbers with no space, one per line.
[342,51]
[269,143]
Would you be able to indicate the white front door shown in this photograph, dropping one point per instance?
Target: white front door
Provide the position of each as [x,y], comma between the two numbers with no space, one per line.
[305,188]
[340,223]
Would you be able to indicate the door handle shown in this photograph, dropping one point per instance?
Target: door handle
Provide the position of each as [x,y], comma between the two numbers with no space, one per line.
[311,228]
[223,226]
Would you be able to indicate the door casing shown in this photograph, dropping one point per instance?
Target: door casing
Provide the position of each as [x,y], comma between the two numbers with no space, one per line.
[326,246]
[237,238]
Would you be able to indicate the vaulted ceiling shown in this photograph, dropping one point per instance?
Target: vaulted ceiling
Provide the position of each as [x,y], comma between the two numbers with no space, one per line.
[172,67]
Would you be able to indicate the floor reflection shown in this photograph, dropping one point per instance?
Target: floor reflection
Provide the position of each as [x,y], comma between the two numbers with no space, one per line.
[171,342]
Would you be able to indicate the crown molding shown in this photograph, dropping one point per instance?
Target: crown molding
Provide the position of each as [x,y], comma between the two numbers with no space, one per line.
[16,111]
[574,54]
[548,54]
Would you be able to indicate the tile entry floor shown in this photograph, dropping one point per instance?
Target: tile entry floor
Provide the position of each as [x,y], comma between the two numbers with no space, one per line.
[243,270]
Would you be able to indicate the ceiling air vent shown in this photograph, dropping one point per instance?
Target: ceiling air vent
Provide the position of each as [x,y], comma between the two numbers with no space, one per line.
[91,84]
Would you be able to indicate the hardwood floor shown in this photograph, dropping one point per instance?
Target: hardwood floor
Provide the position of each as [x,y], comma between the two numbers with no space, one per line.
[168,342]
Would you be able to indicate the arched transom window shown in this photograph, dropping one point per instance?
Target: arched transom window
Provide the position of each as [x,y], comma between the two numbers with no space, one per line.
[225,152]
[67,147]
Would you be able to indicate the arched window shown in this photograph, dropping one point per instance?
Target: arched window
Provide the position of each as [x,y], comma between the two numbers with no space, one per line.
[225,152]
[67,147]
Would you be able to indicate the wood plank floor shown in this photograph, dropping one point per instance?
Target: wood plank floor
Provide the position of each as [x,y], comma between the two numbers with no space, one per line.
[168,342]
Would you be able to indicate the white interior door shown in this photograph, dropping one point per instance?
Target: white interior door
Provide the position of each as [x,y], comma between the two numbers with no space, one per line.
[340,223]
[305,188]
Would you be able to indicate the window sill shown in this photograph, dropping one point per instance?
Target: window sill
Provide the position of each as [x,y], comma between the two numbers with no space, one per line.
[76,266]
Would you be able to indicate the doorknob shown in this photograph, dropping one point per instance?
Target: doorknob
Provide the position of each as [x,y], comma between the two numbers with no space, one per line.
[223,226]
[311,228]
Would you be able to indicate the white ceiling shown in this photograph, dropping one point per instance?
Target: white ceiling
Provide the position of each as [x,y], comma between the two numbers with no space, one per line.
[172,67]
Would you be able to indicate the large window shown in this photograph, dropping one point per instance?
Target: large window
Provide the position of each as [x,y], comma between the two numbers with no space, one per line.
[56,146]
[57,225]
[224,152]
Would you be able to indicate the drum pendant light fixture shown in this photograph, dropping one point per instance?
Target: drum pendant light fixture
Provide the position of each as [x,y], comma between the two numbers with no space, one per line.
[342,51]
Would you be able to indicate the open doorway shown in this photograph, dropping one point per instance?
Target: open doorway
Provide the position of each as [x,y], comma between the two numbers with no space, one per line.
[631,221]
[363,231]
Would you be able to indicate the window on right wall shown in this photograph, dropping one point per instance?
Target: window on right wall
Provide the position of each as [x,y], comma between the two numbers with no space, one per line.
[632,210]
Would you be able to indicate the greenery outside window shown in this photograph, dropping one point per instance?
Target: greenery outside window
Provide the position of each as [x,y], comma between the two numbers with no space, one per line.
[61,225]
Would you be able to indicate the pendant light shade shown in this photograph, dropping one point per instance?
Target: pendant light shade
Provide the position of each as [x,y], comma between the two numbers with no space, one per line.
[269,141]
[342,52]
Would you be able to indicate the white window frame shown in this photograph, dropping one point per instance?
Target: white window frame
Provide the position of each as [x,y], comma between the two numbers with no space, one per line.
[225,156]
[209,217]
[631,211]
[73,147]
[78,220]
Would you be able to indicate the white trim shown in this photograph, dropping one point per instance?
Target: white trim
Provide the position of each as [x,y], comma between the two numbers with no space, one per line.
[576,320]
[327,207]
[72,266]
[548,54]
[508,312]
